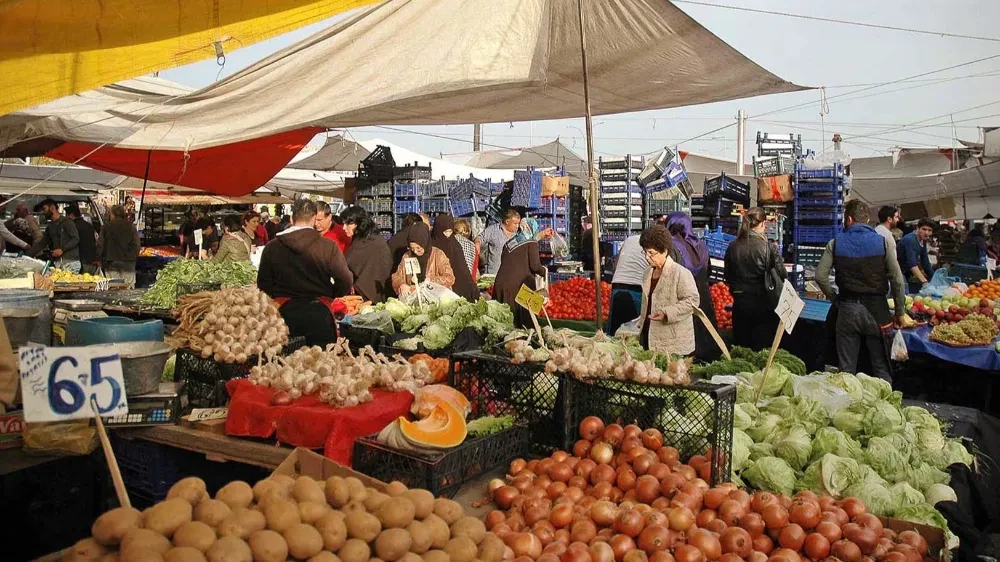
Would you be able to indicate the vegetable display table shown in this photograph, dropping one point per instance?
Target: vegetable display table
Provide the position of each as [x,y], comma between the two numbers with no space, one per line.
[215,447]
[979,357]
[307,422]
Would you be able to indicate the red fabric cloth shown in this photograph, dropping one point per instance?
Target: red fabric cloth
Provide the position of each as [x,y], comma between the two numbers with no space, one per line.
[339,236]
[307,422]
[260,235]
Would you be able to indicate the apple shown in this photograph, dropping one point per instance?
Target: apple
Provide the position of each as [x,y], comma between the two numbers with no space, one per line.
[953,309]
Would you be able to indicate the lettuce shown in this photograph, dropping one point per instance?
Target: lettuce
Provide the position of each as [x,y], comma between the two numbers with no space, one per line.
[776,378]
[761,450]
[765,426]
[882,418]
[741,449]
[924,476]
[437,336]
[849,421]
[771,473]
[792,445]
[904,495]
[887,460]
[832,440]
[940,493]
[875,496]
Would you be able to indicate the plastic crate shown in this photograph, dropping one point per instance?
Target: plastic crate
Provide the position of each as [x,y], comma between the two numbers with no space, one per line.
[620,163]
[148,468]
[615,175]
[555,276]
[556,223]
[469,206]
[967,272]
[813,200]
[468,187]
[527,189]
[809,234]
[443,474]
[412,172]
[407,189]
[553,205]
[717,271]
[700,415]
[808,256]
[440,188]
[403,207]
[435,205]
[385,222]
[773,166]
[818,187]
[360,337]
[497,387]
[656,207]
[376,205]
[721,208]
[718,242]
[202,377]
[832,214]
[725,186]
[833,172]
[796,276]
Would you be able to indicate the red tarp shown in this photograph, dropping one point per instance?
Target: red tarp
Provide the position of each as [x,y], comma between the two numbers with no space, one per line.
[307,422]
[231,169]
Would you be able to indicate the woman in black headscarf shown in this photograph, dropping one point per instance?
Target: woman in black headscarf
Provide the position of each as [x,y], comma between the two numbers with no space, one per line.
[692,253]
[397,244]
[434,265]
[368,256]
[443,238]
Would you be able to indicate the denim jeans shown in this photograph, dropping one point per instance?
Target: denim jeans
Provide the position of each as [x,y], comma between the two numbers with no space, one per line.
[854,326]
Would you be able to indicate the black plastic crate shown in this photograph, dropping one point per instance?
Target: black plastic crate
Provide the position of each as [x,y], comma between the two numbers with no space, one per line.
[725,186]
[808,256]
[699,416]
[496,386]
[360,337]
[444,473]
[205,378]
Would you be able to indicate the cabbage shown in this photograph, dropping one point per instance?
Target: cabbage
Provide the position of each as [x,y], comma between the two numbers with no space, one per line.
[413,323]
[940,493]
[745,394]
[903,495]
[876,388]
[875,496]
[744,415]
[771,473]
[922,513]
[810,413]
[920,417]
[437,336]
[929,440]
[765,426]
[850,422]
[781,406]
[923,476]
[851,384]
[832,440]
[956,453]
[868,474]
[761,450]
[741,449]
[398,310]
[777,376]
[812,479]
[882,418]
[409,343]
[542,391]
[792,445]
[900,442]
[887,460]
[839,473]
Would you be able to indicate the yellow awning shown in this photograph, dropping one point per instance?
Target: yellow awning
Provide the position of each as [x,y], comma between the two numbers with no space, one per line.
[54,48]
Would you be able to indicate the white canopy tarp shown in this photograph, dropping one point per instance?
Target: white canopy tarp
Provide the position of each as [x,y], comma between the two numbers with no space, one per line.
[979,181]
[548,155]
[425,62]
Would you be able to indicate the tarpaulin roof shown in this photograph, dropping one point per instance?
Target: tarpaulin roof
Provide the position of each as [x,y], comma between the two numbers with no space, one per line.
[548,155]
[486,61]
[977,181]
[54,48]
[336,154]
[910,162]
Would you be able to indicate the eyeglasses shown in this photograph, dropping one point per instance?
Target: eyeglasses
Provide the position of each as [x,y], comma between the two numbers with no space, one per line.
[651,253]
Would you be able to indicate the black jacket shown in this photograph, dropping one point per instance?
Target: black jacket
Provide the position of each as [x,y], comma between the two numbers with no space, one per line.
[747,260]
[301,264]
[119,244]
[370,261]
[88,240]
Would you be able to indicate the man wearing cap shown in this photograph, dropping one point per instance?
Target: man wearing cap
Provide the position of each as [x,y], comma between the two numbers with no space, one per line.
[61,237]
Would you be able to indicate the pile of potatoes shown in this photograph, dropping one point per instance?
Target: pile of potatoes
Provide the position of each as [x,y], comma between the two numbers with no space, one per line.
[284,519]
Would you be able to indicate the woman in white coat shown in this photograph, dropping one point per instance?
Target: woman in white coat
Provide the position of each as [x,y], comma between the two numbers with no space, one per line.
[669,297]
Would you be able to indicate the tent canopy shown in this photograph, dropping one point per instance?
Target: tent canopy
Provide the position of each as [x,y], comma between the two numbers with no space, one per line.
[487,61]
[548,155]
[337,154]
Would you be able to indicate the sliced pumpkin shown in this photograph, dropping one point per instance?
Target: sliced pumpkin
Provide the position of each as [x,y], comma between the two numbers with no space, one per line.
[444,428]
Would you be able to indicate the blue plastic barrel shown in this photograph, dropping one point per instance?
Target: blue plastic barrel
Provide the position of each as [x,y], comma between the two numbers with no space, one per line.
[113,329]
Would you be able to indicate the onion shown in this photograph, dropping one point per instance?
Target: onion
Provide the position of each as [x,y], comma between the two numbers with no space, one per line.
[706,542]
[602,453]
[846,551]
[526,544]
[494,485]
[591,428]
[681,519]
[504,496]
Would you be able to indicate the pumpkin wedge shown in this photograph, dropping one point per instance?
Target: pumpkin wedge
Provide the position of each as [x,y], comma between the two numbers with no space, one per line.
[444,428]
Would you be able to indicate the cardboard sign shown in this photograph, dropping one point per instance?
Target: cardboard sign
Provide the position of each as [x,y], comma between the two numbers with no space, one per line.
[775,189]
[412,266]
[529,299]
[204,414]
[789,306]
[199,237]
[58,382]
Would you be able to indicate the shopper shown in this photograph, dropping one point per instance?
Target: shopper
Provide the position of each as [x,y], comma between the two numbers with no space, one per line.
[88,240]
[329,226]
[61,237]
[463,231]
[209,240]
[271,226]
[626,284]
[236,244]
[399,242]
[888,220]
[973,250]
[433,263]
[368,256]
[16,234]
[118,247]
[914,261]
[866,269]
[519,264]
[304,272]
[491,242]
[186,231]
[443,238]
[748,260]
[669,297]
[692,253]
[253,226]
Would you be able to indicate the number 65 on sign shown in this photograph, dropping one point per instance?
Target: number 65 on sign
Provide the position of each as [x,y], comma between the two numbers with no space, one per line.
[58,383]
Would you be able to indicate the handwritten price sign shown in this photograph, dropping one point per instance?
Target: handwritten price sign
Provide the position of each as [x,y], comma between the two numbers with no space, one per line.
[58,383]
[789,306]
[532,300]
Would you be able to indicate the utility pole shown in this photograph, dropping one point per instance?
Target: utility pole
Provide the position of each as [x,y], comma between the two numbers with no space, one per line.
[741,141]
[477,134]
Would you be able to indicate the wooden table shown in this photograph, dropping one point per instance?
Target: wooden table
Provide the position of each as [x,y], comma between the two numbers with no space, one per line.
[215,447]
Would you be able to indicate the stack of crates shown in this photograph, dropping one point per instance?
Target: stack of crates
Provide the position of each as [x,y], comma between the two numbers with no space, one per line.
[553,212]
[470,197]
[434,196]
[374,187]
[621,202]
[819,210]
[723,201]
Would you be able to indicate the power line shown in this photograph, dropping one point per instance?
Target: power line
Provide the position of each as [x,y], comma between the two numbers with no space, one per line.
[949,114]
[840,21]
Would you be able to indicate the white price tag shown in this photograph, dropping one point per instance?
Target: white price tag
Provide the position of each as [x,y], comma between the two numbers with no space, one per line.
[991,264]
[789,306]
[203,414]
[412,266]
[199,237]
[57,383]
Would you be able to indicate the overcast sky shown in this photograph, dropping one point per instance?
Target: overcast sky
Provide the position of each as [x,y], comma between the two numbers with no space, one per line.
[842,58]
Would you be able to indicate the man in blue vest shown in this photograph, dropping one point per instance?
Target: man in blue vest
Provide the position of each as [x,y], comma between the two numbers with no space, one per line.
[866,268]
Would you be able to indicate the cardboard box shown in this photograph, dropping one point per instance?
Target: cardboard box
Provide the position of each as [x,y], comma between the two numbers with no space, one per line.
[775,189]
[11,428]
[934,536]
[304,462]
[555,186]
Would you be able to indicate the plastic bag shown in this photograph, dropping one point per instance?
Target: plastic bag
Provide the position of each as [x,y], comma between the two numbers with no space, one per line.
[818,387]
[899,352]
[380,320]
[941,285]
[75,437]
[630,328]
[430,292]
[560,248]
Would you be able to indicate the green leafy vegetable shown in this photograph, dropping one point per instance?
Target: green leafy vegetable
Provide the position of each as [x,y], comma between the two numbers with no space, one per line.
[777,376]
[882,418]
[741,449]
[904,495]
[832,440]
[488,425]
[940,493]
[771,473]
[163,293]
[887,460]
[792,445]
[923,476]
[875,495]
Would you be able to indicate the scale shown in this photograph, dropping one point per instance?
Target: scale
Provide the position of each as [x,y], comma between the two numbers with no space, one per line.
[76,309]
[162,407]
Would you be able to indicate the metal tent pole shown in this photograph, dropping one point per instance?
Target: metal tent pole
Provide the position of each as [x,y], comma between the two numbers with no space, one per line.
[591,181]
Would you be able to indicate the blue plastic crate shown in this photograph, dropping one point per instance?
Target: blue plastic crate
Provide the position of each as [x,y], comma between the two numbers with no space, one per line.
[808,256]
[558,224]
[148,468]
[718,242]
[554,205]
[816,234]
[556,276]
[805,187]
[837,200]
[403,207]
[407,189]
[439,188]
[796,276]
[527,189]
[430,205]
[657,207]
[469,206]
[835,214]
[468,187]
[725,186]
[833,172]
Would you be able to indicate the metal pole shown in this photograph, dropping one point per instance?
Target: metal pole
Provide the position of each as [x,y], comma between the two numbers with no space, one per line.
[477,133]
[741,141]
[145,178]
[591,180]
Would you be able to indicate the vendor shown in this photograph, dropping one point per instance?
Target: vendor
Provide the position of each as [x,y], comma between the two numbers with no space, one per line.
[866,268]
[913,257]
[236,243]
[399,242]
[626,284]
[492,241]
[61,237]
[669,297]
[434,264]
[304,272]
[519,264]
[368,256]
[443,238]
[209,240]
[330,226]
[118,247]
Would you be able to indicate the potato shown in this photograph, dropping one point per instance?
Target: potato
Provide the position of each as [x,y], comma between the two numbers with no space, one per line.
[361,525]
[351,507]
[286,482]
[191,489]
[141,541]
[141,556]
[337,493]
[110,528]
[395,488]
[440,533]
[306,489]
[422,500]
[449,510]
[194,534]
[436,556]
[331,526]
[395,512]
[85,550]
[304,541]
[310,512]
[235,494]
[354,550]
[166,516]
[491,549]
[109,557]
[212,512]
[325,556]
[281,514]
[469,527]
[262,487]
[374,499]
[229,549]
[460,549]
[422,537]
[242,523]
[392,544]
[183,554]
[268,546]
[358,490]
[410,557]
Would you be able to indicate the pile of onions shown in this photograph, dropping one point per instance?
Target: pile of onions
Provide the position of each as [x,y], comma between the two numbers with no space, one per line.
[231,325]
[623,496]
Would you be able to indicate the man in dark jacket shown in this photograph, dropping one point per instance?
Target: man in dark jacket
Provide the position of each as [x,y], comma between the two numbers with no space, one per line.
[88,240]
[304,272]
[61,237]
[118,247]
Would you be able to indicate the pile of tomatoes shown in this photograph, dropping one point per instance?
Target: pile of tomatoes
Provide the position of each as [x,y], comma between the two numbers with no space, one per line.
[574,299]
[623,495]
[721,298]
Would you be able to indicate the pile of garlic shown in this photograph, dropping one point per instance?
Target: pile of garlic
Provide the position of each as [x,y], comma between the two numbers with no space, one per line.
[231,325]
[593,363]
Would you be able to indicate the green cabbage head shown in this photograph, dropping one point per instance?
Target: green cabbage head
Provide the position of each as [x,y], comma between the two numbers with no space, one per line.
[875,496]
[832,440]
[940,493]
[771,473]
[882,418]
[792,444]
[887,460]
[904,495]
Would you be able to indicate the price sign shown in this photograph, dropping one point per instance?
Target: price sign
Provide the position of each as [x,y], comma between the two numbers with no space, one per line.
[204,414]
[58,383]
[991,263]
[412,266]
[789,306]
[529,299]
[199,237]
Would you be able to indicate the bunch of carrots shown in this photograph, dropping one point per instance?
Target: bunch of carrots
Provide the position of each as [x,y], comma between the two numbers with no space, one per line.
[438,367]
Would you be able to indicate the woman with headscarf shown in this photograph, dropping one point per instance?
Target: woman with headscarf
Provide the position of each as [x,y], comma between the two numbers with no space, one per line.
[692,253]
[368,256]
[398,243]
[443,238]
[519,264]
[434,265]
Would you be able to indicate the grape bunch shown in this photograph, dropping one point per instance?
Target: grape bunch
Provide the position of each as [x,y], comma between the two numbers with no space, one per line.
[974,329]
[950,333]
